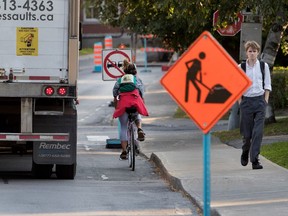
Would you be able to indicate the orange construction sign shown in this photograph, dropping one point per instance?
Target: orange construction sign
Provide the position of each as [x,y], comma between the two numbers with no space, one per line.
[205,81]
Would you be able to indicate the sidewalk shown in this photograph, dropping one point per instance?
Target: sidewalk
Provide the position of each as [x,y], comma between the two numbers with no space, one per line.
[175,145]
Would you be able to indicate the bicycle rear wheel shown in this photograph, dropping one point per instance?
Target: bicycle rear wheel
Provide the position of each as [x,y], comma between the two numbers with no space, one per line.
[131,153]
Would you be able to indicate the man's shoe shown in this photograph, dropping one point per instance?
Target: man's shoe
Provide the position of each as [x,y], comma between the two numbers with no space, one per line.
[244,158]
[123,155]
[257,165]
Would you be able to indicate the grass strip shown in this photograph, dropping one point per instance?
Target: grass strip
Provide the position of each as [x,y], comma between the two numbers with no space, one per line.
[277,153]
[274,129]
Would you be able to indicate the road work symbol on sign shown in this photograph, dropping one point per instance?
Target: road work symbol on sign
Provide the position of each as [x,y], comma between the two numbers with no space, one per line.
[205,81]
[113,63]
[217,94]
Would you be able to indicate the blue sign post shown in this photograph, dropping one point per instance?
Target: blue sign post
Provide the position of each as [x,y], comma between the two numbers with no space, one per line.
[206,172]
[145,57]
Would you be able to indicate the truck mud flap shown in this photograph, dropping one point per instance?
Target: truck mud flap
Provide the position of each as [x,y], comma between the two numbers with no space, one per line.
[56,152]
[53,153]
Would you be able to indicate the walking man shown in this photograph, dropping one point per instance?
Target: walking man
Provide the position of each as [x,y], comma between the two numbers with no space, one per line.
[253,105]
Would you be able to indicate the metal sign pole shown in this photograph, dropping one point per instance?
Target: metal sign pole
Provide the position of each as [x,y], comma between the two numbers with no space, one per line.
[206,172]
[145,56]
[145,53]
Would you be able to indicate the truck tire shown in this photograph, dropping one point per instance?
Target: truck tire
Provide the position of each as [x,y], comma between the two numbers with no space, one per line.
[65,171]
[42,171]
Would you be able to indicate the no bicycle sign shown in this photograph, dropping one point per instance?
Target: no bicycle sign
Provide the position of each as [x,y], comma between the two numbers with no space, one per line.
[112,62]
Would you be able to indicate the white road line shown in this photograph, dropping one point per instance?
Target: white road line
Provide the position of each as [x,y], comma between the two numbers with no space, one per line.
[97,138]
[104,177]
[87,143]
[87,147]
[95,97]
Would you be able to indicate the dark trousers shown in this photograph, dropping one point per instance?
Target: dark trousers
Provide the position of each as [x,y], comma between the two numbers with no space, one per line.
[252,119]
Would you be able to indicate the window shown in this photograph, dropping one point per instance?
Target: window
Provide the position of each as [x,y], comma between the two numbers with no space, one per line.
[90,13]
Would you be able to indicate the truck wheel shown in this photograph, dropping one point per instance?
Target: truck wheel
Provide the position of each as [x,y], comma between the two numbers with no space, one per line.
[65,171]
[42,171]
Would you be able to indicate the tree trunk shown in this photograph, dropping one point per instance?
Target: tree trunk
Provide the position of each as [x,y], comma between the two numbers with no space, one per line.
[269,55]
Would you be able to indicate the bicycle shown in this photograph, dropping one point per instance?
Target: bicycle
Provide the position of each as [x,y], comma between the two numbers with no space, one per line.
[131,134]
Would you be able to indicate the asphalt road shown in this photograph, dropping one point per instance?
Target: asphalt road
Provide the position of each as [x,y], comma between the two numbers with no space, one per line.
[103,185]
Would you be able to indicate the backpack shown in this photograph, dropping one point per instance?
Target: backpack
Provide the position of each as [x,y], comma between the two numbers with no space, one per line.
[127,83]
[262,67]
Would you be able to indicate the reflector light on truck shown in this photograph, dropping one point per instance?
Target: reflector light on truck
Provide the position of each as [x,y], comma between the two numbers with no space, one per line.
[62,91]
[49,91]
[55,90]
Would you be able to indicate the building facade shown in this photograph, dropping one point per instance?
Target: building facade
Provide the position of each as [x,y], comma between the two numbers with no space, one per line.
[94,31]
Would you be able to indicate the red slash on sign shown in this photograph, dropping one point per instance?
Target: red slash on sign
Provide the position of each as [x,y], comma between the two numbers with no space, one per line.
[113,62]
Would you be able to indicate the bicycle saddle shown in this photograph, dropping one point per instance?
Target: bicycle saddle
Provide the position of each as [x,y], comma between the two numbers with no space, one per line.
[131,109]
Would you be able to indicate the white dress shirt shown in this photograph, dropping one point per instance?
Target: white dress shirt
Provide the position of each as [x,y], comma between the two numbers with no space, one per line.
[255,75]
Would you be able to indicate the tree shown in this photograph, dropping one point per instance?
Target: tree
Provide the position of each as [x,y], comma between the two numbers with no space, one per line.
[271,48]
[176,23]
[179,22]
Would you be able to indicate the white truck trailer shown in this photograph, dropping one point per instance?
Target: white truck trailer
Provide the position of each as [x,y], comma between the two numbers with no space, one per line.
[39,64]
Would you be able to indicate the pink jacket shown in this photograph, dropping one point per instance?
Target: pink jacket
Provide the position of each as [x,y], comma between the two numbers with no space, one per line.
[128,99]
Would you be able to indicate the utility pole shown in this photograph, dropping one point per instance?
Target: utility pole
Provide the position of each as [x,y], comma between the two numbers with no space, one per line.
[251,29]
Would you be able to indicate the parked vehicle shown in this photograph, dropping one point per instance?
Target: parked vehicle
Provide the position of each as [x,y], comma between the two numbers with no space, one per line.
[38,83]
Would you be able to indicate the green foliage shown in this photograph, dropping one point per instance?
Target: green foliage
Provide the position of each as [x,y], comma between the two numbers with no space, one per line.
[179,22]
[227,136]
[86,51]
[279,94]
[284,44]
[276,152]
[278,128]
[180,113]
[280,69]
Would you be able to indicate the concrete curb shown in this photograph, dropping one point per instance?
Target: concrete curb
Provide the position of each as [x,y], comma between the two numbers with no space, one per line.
[176,184]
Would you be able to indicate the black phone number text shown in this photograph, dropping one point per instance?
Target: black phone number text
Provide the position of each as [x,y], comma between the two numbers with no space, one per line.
[28,5]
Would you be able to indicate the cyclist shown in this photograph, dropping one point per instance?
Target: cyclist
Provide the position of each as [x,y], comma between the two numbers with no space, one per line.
[128,91]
